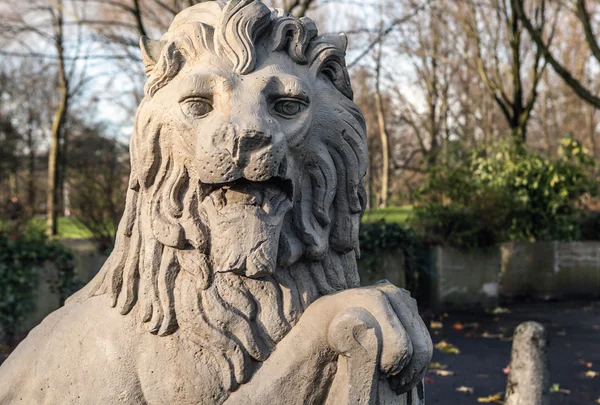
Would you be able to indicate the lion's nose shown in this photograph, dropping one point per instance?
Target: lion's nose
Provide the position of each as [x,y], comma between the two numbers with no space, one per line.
[249,150]
[252,140]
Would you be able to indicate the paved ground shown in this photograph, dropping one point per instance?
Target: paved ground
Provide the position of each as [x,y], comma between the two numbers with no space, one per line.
[483,342]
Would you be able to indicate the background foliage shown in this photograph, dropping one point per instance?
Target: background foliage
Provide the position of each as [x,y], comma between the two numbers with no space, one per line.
[505,192]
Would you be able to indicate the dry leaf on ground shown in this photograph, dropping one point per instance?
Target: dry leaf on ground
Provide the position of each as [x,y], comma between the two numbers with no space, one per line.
[436,325]
[556,388]
[495,399]
[447,348]
[442,373]
[499,310]
[437,366]
[466,390]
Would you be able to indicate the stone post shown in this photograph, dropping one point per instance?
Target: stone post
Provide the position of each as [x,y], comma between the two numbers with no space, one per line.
[529,378]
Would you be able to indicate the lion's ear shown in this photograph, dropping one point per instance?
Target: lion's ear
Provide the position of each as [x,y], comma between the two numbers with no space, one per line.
[327,54]
[151,50]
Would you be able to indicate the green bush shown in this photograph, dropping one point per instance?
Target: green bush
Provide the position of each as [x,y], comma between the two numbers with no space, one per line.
[20,260]
[505,193]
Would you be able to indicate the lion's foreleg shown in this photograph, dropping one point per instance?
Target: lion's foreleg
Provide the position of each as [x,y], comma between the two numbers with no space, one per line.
[300,370]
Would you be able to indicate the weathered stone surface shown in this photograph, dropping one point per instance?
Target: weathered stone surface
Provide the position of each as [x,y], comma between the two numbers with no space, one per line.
[551,269]
[529,377]
[466,278]
[234,279]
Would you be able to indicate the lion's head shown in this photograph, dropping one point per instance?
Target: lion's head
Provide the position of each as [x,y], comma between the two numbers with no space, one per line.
[246,189]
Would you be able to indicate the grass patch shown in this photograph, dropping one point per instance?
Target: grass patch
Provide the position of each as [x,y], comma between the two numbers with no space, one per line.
[391,215]
[68,228]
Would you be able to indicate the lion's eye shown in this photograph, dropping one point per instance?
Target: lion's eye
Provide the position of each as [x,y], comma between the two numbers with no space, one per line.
[289,108]
[197,107]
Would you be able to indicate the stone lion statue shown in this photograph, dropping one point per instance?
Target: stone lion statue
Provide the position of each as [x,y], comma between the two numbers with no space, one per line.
[234,278]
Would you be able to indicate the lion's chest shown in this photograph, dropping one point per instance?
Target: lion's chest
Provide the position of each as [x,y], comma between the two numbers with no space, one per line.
[172,370]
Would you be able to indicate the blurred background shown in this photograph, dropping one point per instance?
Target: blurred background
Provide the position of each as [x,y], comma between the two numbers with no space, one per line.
[483,123]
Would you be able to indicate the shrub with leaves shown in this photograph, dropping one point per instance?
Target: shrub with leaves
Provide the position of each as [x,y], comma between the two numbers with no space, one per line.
[506,193]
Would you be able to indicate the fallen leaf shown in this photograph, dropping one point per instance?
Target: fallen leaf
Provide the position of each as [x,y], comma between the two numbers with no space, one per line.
[496,398]
[437,366]
[587,364]
[436,325]
[590,374]
[442,373]
[506,370]
[447,348]
[491,335]
[598,401]
[466,390]
[429,380]
[499,310]
[464,326]
[554,388]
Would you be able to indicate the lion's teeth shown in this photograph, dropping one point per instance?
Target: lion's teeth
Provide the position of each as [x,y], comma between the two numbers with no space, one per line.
[245,196]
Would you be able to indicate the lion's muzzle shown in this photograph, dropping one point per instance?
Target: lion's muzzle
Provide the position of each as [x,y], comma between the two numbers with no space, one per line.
[252,152]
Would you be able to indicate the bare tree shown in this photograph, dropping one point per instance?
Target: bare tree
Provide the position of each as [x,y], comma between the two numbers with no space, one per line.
[30,116]
[581,10]
[60,116]
[494,45]
[428,50]
[40,30]
[383,132]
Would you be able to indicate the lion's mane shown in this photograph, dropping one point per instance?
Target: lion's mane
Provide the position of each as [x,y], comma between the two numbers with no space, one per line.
[160,263]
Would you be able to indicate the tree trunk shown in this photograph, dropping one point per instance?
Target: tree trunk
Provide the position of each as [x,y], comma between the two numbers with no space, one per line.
[53,159]
[383,135]
[62,204]
[57,127]
[31,194]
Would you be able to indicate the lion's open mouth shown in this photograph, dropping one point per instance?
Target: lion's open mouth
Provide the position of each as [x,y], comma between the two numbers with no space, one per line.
[267,195]
[245,218]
